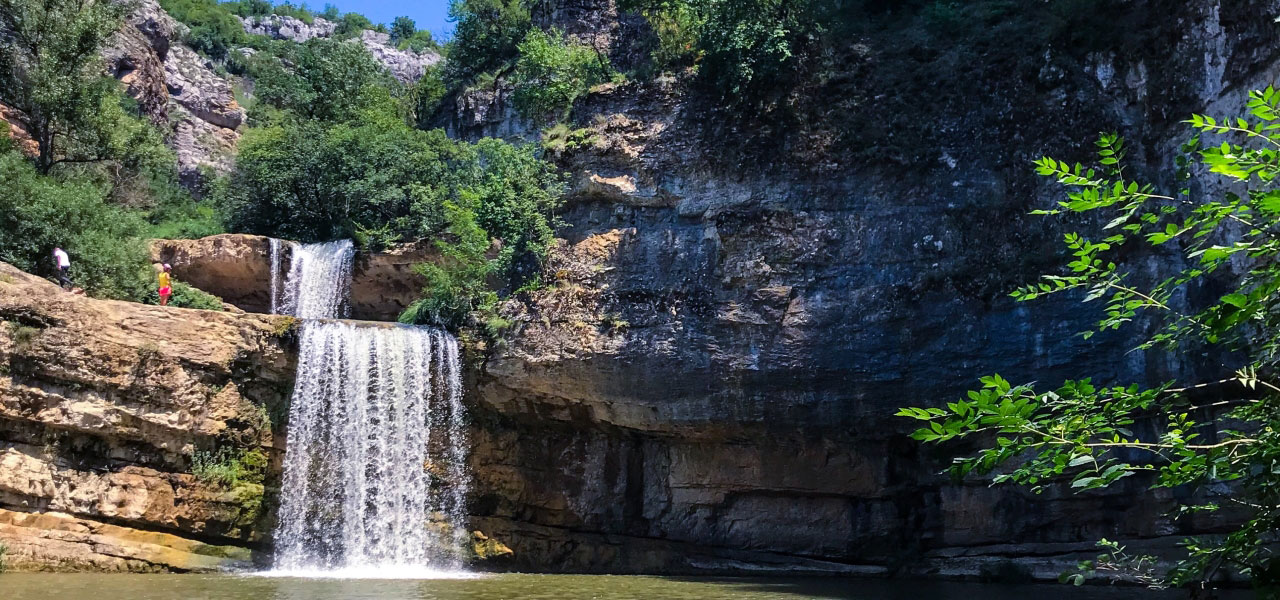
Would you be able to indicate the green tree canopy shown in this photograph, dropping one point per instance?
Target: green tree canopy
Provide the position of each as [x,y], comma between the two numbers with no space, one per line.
[51,71]
[402,28]
[486,36]
[552,72]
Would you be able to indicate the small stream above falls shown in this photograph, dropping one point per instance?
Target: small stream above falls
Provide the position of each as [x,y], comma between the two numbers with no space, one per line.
[375,480]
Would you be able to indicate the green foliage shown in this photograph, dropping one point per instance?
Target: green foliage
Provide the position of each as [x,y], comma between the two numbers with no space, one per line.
[22,336]
[486,37]
[402,28]
[456,286]
[39,213]
[297,11]
[419,42]
[244,8]
[306,181]
[351,24]
[213,28]
[375,239]
[1226,450]
[561,138]
[229,467]
[425,96]
[323,79]
[677,27]
[51,71]
[186,296]
[552,72]
[3,550]
[183,218]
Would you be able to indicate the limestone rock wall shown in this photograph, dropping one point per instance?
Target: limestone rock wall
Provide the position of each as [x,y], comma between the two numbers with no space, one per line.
[709,380]
[178,90]
[406,66]
[102,406]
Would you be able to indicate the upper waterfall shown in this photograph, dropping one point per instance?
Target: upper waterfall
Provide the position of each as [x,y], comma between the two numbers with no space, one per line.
[318,283]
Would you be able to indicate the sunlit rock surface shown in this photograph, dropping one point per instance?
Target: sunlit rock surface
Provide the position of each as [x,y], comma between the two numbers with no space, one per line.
[102,405]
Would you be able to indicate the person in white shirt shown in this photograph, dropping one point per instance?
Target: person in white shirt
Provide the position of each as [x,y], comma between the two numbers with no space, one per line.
[63,263]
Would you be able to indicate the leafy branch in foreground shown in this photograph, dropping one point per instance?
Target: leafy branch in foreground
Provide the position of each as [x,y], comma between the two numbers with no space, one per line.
[1219,438]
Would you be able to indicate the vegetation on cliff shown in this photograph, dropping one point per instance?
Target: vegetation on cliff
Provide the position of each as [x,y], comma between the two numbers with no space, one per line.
[1221,437]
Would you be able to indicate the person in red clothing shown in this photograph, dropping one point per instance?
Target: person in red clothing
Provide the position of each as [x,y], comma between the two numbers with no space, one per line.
[166,289]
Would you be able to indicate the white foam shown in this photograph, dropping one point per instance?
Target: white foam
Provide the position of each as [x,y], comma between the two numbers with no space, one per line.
[404,572]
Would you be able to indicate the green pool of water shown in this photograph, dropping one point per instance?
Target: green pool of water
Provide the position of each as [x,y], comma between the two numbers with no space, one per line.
[41,586]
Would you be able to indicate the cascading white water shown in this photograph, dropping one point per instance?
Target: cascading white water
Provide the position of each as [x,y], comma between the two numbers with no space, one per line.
[318,282]
[375,478]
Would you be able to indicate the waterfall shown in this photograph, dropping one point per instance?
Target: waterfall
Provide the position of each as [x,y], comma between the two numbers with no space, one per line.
[375,480]
[318,282]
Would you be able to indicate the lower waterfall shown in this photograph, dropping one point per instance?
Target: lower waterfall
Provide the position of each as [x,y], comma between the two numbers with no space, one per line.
[375,480]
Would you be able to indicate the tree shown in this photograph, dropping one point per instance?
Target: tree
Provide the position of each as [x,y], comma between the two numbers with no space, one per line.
[51,71]
[402,28]
[326,81]
[1219,438]
[486,36]
[40,212]
[551,73]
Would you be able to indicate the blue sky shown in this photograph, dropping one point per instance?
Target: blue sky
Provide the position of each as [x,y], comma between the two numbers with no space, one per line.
[432,15]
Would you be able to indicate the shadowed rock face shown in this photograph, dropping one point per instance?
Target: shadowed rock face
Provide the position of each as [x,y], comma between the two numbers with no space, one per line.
[102,405]
[237,268]
[715,367]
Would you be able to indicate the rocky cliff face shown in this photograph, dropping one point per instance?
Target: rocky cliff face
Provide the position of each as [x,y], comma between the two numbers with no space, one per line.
[406,66]
[177,89]
[710,380]
[103,405]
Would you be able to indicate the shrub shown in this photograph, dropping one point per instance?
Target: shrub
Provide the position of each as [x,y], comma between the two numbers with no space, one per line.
[22,336]
[187,296]
[351,24]
[229,467]
[551,73]
[455,287]
[677,28]
[419,42]
[299,12]
[486,37]
[39,213]
[213,28]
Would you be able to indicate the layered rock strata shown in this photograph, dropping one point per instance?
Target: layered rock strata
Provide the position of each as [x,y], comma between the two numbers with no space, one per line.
[714,367]
[103,406]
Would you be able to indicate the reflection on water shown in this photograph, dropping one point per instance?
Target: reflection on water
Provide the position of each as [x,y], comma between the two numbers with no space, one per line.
[42,586]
